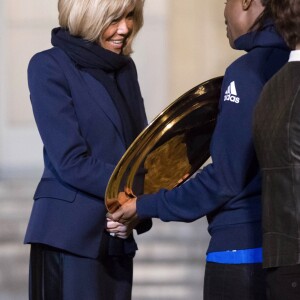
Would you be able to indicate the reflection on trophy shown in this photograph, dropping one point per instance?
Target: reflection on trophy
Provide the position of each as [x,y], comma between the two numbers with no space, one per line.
[171,149]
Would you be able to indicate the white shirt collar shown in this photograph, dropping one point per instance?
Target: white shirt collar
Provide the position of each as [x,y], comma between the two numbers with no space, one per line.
[295,55]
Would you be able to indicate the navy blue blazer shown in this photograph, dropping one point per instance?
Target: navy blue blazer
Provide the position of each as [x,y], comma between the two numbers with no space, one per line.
[83,141]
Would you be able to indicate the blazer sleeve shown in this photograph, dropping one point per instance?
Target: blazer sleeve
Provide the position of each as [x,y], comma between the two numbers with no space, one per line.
[59,128]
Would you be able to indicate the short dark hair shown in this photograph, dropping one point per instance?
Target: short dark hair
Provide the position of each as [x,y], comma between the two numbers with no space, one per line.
[286,14]
[266,14]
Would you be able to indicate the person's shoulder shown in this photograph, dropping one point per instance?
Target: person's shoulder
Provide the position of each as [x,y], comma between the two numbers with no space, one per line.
[46,64]
[239,67]
[48,61]
[45,56]
[238,61]
[287,75]
[40,60]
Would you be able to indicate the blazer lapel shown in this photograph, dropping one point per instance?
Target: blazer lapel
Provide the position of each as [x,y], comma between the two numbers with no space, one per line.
[100,95]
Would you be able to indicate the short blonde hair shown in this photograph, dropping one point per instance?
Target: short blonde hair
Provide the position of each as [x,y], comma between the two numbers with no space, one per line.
[89,19]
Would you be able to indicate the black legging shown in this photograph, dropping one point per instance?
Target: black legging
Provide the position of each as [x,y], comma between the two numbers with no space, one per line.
[234,282]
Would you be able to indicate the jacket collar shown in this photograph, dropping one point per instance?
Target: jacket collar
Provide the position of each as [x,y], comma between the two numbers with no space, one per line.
[267,37]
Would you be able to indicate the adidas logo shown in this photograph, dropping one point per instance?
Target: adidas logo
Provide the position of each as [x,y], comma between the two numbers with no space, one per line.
[231,94]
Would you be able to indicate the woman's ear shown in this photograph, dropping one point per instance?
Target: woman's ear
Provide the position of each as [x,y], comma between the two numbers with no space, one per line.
[246,4]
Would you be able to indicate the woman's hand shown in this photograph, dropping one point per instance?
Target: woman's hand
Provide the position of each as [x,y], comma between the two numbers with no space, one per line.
[124,220]
[126,213]
[120,230]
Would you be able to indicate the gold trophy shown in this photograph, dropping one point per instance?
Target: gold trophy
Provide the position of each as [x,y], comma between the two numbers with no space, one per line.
[171,148]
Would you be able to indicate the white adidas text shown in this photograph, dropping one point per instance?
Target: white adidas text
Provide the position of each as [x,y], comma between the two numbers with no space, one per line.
[231,93]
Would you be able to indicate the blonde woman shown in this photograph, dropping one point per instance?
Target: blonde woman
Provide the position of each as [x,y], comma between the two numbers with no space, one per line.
[88,109]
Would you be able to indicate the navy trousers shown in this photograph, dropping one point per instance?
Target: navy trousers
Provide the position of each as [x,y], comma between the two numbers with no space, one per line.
[58,275]
[234,282]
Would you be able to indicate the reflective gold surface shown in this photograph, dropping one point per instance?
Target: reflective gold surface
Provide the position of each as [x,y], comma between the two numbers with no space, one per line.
[172,148]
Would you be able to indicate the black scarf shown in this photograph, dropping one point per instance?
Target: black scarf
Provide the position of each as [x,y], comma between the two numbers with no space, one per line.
[114,71]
